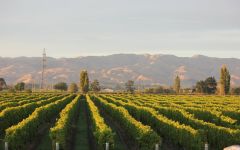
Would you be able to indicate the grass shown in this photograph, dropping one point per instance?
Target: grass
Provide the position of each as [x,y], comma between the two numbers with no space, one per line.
[119,144]
[81,137]
[119,138]
[46,143]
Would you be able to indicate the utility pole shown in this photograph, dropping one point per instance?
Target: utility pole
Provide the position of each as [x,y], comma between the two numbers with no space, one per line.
[33,85]
[44,65]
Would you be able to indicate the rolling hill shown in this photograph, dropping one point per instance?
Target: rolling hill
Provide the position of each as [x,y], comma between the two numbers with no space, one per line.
[118,68]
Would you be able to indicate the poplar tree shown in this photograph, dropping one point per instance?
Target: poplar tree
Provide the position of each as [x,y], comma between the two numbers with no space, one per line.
[84,82]
[177,84]
[225,80]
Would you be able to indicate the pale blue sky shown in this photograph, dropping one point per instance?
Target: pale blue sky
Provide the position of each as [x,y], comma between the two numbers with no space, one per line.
[72,28]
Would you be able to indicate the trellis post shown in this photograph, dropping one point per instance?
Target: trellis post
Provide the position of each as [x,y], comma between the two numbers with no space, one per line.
[57,146]
[107,146]
[206,146]
[6,146]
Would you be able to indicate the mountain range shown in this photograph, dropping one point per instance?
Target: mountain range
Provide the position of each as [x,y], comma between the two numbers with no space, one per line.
[118,68]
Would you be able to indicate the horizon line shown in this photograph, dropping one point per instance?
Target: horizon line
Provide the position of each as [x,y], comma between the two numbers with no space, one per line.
[104,55]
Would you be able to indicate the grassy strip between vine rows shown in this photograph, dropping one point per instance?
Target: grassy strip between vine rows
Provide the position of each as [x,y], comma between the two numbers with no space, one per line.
[102,132]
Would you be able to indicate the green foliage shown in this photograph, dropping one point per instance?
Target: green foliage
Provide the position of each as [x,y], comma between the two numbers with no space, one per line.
[225,80]
[129,85]
[201,87]
[84,81]
[213,116]
[209,86]
[218,136]
[20,86]
[62,129]
[186,121]
[177,84]
[8,116]
[183,135]
[143,135]
[102,132]
[61,86]
[95,86]
[22,133]
[73,88]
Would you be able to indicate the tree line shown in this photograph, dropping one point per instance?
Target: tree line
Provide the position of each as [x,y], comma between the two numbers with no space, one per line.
[84,85]
[207,86]
[210,84]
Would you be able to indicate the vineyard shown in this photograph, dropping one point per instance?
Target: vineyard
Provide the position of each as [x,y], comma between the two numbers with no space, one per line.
[118,121]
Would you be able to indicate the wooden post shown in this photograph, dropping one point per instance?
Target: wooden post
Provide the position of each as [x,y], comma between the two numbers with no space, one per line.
[6,146]
[206,146]
[57,146]
[107,146]
[157,147]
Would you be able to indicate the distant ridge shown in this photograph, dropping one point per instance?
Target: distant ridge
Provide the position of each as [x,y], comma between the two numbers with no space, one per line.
[118,68]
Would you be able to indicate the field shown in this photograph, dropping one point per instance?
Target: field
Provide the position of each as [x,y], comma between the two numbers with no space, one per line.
[84,122]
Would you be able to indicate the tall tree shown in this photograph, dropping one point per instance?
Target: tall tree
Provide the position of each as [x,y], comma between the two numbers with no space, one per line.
[228,82]
[95,86]
[73,88]
[225,80]
[20,86]
[3,84]
[84,81]
[177,84]
[61,86]
[211,85]
[130,86]
[201,87]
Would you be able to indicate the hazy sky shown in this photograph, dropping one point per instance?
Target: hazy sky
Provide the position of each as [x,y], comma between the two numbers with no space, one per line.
[71,28]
